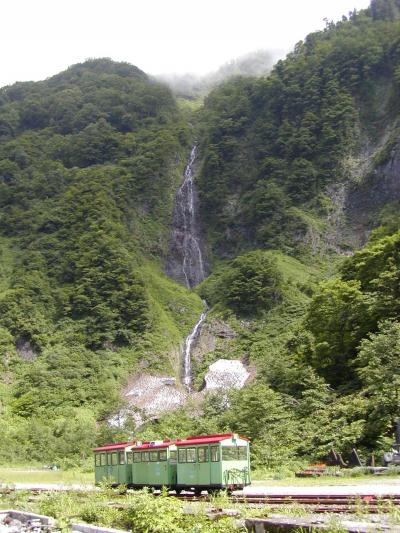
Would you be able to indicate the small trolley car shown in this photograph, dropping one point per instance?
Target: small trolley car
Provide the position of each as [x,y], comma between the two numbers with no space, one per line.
[208,462]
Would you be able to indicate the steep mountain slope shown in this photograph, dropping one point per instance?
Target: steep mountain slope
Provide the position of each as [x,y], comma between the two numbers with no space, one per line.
[89,163]
[290,161]
[306,162]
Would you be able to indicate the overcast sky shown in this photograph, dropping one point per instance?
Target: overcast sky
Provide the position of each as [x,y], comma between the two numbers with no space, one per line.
[39,38]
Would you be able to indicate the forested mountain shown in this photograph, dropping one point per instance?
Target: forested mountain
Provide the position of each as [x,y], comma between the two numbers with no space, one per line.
[285,153]
[90,161]
[299,189]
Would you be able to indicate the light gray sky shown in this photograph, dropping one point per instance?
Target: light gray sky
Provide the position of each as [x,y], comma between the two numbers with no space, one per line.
[39,38]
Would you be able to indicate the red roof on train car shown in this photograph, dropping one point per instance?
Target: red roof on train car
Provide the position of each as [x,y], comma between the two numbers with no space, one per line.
[115,446]
[206,439]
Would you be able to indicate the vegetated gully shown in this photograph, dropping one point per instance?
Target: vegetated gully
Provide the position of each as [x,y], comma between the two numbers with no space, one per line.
[185,246]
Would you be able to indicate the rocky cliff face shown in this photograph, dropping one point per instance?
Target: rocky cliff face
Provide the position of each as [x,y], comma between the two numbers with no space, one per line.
[380,187]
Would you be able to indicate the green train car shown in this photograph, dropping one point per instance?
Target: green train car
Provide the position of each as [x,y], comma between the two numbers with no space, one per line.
[112,463]
[154,465]
[209,462]
[213,462]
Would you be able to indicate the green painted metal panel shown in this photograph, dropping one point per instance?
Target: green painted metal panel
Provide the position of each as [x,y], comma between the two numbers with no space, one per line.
[200,470]
[153,473]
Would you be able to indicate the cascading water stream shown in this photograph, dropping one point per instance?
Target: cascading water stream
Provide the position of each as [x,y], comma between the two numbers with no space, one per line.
[187,351]
[185,259]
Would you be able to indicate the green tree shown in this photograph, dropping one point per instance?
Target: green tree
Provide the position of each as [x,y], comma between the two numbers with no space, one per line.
[339,316]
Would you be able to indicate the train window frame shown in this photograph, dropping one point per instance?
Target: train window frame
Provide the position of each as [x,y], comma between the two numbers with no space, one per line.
[97,460]
[215,454]
[203,455]
[137,457]
[154,456]
[173,456]
[163,455]
[103,459]
[121,458]
[182,455]
[242,453]
[145,457]
[191,455]
[229,453]
[114,459]
[129,458]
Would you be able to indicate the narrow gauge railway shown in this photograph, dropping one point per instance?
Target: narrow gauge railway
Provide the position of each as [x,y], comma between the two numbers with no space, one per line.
[316,503]
[197,463]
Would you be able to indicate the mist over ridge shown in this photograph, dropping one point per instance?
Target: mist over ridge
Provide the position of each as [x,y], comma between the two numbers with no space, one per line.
[190,85]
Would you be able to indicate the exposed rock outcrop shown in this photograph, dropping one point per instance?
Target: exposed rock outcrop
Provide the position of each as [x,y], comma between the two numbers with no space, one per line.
[214,333]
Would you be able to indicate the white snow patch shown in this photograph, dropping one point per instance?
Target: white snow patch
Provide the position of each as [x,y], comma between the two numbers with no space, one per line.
[226,374]
[148,396]
[155,394]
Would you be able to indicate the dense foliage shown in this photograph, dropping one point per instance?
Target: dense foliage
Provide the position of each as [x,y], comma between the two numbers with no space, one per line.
[278,149]
[280,156]
[89,163]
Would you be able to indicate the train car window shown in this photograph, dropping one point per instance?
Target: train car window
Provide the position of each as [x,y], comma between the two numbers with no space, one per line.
[121,458]
[145,457]
[182,455]
[154,457]
[129,458]
[97,459]
[202,455]
[163,455]
[103,459]
[109,459]
[136,457]
[172,456]
[214,454]
[191,455]
[242,453]
[114,459]
[229,453]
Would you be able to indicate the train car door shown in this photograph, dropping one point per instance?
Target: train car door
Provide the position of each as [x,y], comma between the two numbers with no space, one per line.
[203,466]
[215,465]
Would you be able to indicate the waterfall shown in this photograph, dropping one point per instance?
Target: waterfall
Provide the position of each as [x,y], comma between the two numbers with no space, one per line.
[187,351]
[185,259]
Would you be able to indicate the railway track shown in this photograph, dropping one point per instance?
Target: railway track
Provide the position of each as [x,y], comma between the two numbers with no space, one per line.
[315,503]
[322,503]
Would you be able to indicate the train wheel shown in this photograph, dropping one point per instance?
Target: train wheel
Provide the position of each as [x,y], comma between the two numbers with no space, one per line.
[197,492]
